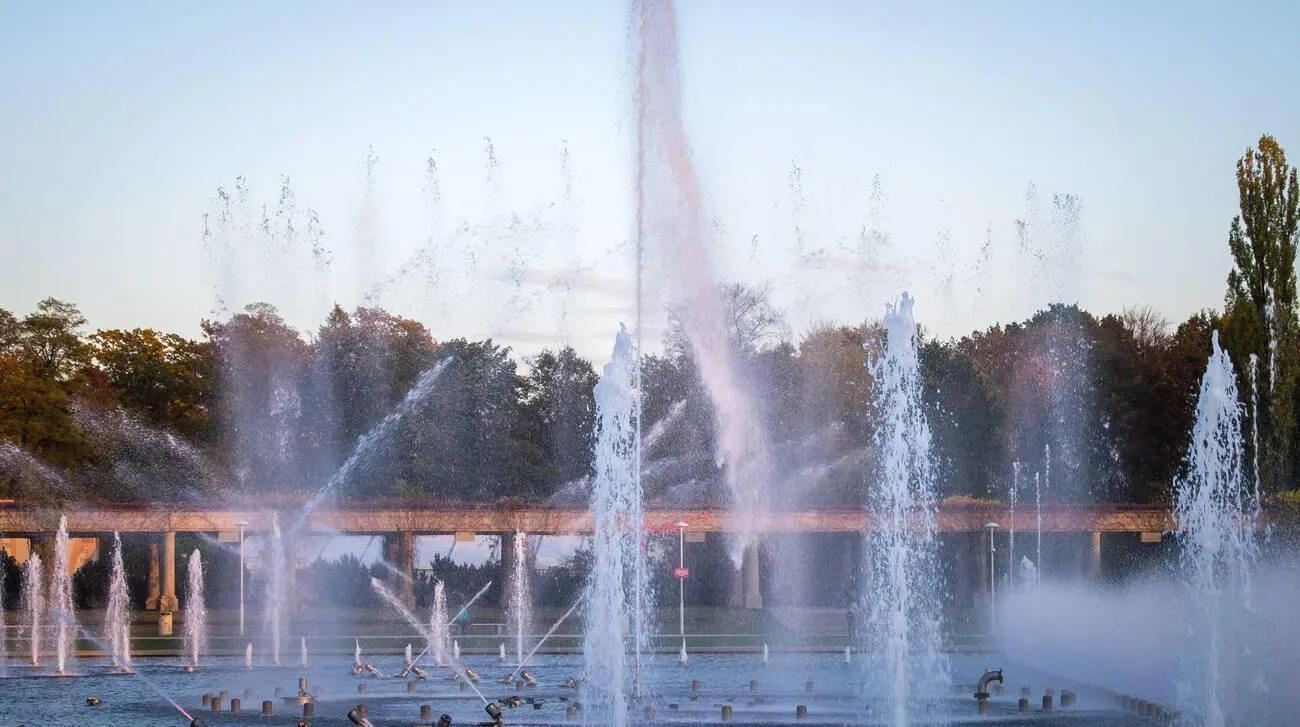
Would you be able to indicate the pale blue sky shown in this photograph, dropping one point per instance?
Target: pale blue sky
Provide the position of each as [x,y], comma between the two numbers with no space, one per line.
[118,123]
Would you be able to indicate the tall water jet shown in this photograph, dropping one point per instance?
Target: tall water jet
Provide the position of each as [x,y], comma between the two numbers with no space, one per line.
[617,507]
[438,624]
[902,588]
[520,615]
[248,656]
[1011,528]
[60,599]
[275,590]
[196,611]
[670,216]
[117,621]
[407,653]
[1215,510]
[33,605]
[302,653]
[356,654]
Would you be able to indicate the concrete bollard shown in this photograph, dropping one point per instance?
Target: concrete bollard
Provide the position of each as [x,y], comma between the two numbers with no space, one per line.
[207,700]
[695,685]
[1023,705]
[267,707]
[361,688]
[801,711]
[753,685]
[1067,698]
[649,714]
[216,704]
[808,686]
[426,713]
[235,705]
[1148,709]
[410,687]
[726,713]
[1047,702]
[308,709]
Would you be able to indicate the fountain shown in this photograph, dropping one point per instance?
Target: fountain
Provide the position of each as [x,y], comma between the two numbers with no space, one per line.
[117,620]
[670,214]
[902,587]
[33,604]
[302,653]
[275,589]
[196,612]
[60,599]
[248,656]
[406,656]
[616,504]
[356,655]
[438,624]
[519,615]
[1215,509]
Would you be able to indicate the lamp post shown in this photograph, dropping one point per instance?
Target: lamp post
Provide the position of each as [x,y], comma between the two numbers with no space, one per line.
[241,524]
[681,581]
[993,587]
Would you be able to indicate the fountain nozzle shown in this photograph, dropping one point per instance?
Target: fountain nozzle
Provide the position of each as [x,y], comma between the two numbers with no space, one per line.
[198,722]
[990,675]
[355,717]
[495,713]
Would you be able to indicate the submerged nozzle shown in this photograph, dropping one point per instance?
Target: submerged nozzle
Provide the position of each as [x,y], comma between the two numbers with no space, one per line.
[990,675]
[355,717]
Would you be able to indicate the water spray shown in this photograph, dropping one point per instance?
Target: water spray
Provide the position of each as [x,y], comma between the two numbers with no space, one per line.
[545,636]
[405,613]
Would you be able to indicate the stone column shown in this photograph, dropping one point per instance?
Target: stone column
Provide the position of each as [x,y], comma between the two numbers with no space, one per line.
[155,586]
[167,603]
[507,568]
[1094,561]
[406,553]
[752,584]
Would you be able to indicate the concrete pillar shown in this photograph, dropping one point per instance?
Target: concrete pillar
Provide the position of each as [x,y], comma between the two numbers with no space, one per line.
[155,586]
[507,567]
[406,554]
[1094,561]
[752,583]
[167,603]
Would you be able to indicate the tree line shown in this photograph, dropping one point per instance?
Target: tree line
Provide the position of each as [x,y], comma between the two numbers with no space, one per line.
[1098,406]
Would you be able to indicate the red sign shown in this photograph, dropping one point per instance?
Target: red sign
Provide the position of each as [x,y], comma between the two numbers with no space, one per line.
[681,573]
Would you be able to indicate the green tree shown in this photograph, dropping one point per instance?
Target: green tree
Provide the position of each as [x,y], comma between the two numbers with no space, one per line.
[1261,331]
[557,414]
[166,377]
[52,340]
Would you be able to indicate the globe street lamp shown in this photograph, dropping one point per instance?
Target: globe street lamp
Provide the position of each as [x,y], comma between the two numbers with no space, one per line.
[993,589]
[241,524]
